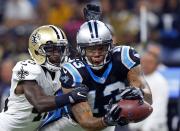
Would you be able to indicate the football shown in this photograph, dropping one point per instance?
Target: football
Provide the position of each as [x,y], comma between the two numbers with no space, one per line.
[134,110]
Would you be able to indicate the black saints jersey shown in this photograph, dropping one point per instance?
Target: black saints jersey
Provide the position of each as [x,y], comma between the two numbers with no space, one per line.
[104,84]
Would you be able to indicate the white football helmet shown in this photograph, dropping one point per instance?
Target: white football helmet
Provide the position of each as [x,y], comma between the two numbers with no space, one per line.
[93,33]
[45,40]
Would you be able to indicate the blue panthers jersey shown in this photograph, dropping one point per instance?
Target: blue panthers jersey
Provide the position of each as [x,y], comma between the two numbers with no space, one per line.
[104,84]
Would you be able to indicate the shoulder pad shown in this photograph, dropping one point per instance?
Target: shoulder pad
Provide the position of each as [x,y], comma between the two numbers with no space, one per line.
[26,70]
[76,63]
[129,57]
[116,49]
[72,69]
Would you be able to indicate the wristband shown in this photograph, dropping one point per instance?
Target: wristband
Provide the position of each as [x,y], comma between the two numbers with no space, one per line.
[103,122]
[62,100]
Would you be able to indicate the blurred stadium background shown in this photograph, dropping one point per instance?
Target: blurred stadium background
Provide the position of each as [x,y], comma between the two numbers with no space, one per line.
[133,22]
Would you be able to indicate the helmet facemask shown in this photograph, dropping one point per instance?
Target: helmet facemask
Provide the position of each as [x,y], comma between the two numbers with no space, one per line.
[96,55]
[55,55]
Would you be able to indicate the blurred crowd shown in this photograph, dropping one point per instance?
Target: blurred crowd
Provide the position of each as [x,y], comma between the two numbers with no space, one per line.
[19,17]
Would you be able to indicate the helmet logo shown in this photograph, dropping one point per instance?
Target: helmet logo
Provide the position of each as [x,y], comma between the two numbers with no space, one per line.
[35,38]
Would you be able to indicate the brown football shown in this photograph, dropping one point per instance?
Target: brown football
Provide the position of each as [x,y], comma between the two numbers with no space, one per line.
[134,110]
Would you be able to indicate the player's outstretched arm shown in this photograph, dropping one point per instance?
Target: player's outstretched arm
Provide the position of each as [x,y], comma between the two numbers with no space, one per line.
[42,102]
[83,114]
[136,79]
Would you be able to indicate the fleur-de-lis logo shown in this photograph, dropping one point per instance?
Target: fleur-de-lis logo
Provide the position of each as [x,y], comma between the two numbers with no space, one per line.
[35,38]
[22,73]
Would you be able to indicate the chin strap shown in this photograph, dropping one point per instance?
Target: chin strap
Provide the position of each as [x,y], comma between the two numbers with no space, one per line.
[51,67]
[95,67]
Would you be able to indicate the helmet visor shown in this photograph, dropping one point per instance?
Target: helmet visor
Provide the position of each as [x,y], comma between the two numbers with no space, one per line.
[96,55]
[50,49]
[53,52]
[102,49]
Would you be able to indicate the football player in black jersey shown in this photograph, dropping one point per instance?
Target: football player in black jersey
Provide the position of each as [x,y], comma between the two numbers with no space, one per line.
[111,73]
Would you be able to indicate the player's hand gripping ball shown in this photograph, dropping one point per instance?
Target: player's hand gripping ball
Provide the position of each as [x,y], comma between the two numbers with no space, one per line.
[134,110]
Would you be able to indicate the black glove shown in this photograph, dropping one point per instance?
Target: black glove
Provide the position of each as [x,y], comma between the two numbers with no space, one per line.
[92,12]
[79,94]
[113,118]
[132,93]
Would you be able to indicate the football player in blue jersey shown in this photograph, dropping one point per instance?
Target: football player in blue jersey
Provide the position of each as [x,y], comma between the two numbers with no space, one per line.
[111,73]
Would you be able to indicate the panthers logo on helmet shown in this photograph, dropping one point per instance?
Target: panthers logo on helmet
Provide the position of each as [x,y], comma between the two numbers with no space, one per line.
[35,38]
[64,78]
